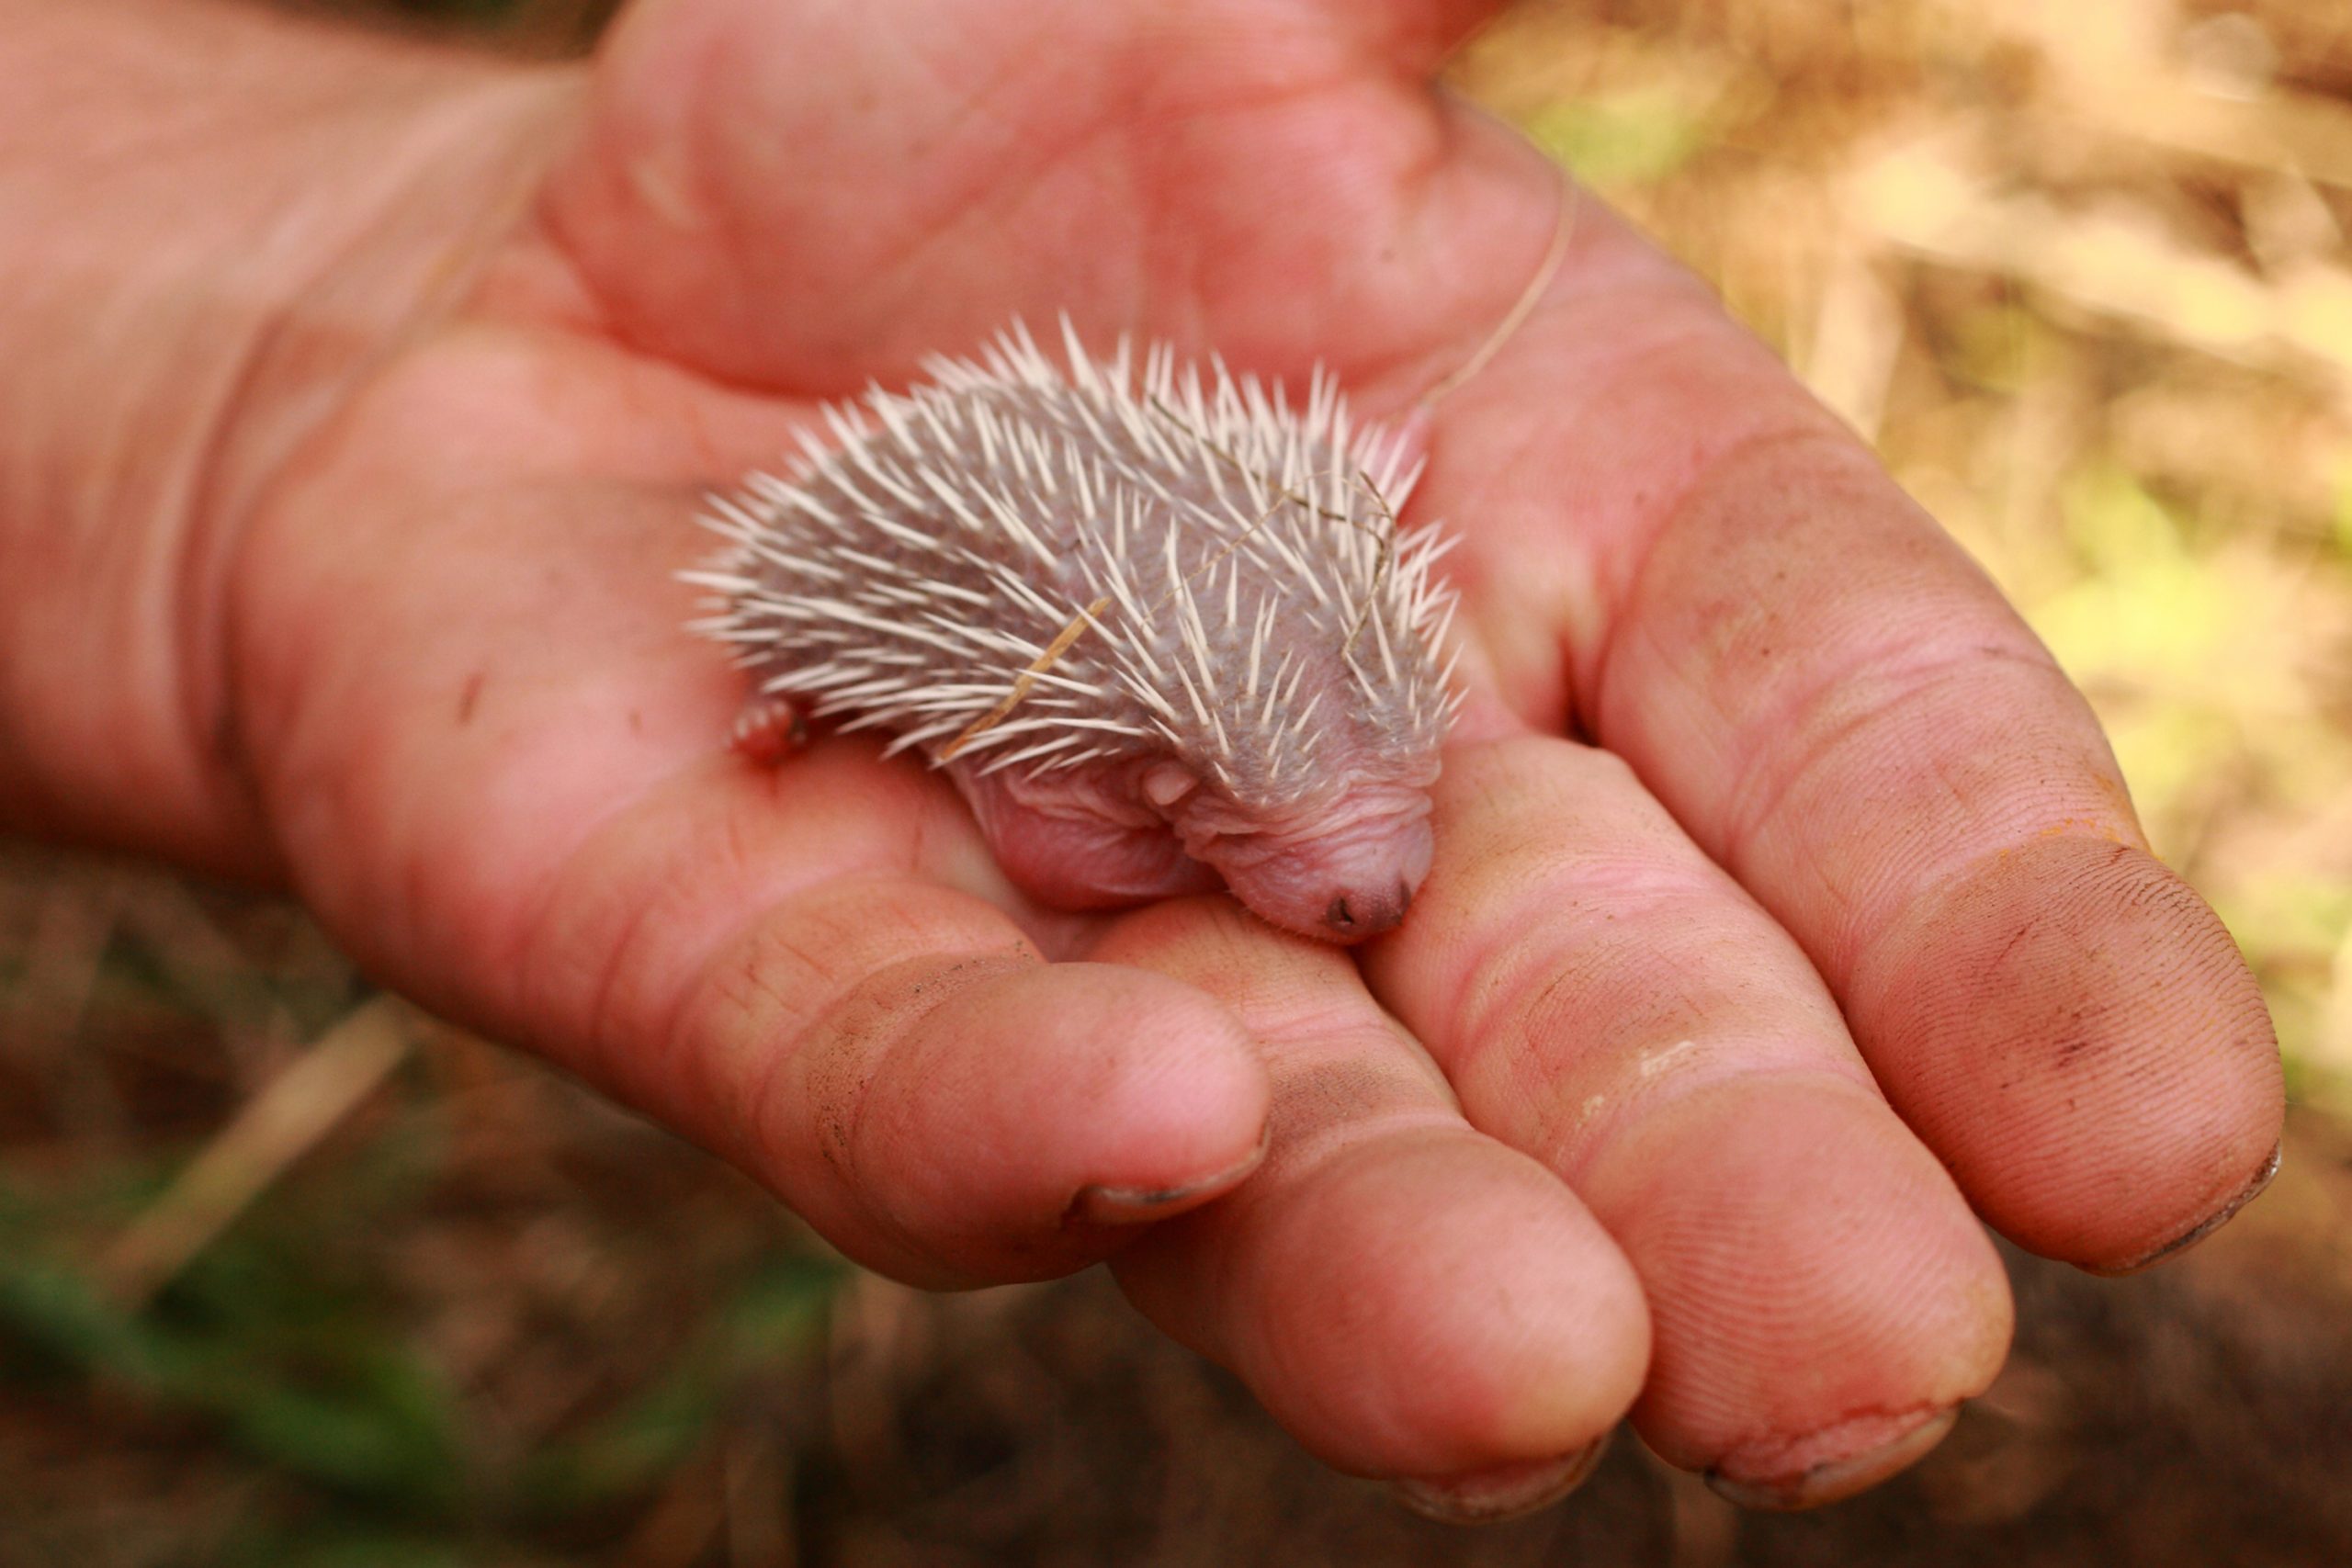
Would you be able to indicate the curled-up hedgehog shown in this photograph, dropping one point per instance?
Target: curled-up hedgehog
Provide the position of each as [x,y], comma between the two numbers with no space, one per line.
[1158,626]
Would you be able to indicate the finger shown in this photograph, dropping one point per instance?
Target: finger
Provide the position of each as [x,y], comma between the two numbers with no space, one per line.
[500,769]
[1842,711]
[1603,997]
[1409,1298]
[897,1063]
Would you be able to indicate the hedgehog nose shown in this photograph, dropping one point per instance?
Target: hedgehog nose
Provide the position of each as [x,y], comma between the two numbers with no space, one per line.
[1354,915]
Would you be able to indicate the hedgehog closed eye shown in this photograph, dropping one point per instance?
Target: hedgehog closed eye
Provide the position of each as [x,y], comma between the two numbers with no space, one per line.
[1158,625]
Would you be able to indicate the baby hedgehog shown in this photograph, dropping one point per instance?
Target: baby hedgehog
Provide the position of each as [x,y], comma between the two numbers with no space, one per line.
[1157,626]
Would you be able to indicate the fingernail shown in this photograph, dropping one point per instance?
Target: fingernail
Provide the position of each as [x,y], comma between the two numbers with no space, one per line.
[1826,1482]
[1105,1205]
[1504,1492]
[2203,1227]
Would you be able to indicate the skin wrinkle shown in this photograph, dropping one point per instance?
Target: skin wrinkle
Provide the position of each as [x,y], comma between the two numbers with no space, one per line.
[1576,1132]
[829,880]
[1535,1043]
[206,703]
[1304,1158]
[1576,1148]
[1619,563]
[535,278]
[1633,574]
[1896,681]
[1551,965]
[214,539]
[1287,1017]
[844,1051]
[1708,471]
[740,987]
[837,1052]
[600,1036]
[142,578]
[584,862]
[2007,809]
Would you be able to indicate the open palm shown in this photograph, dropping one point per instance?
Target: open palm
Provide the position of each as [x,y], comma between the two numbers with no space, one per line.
[1678,1086]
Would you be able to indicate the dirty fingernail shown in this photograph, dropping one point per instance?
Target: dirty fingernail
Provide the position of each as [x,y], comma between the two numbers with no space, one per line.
[1504,1492]
[1827,1482]
[2205,1227]
[1105,1205]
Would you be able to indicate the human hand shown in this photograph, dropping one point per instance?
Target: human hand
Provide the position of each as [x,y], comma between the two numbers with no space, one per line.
[1687,1028]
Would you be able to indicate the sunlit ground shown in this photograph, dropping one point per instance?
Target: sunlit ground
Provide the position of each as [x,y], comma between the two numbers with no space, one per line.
[288,1276]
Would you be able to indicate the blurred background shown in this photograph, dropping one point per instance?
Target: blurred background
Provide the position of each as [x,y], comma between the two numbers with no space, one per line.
[291,1275]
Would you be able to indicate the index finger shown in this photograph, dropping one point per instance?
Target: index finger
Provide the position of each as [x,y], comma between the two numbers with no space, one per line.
[1671,546]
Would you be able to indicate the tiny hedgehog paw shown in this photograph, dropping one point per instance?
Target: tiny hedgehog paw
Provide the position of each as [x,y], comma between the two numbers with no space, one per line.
[769,729]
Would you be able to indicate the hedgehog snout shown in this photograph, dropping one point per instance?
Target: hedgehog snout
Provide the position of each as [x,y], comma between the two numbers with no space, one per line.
[1344,879]
[1367,914]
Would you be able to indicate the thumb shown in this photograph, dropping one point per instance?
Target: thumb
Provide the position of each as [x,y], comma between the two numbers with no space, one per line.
[924,169]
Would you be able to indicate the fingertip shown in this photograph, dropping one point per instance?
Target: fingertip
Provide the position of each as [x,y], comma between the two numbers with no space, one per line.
[2254,1188]
[1819,1288]
[1424,1303]
[1037,1122]
[2074,1031]
[1104,1204]
[897,1062]
[1552,1352]
[1500,1492]
[1859,1454]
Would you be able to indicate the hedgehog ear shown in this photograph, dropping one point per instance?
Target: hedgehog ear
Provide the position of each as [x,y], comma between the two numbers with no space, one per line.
[1165,784]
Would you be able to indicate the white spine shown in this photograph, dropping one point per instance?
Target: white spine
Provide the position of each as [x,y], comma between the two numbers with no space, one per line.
[1038,565]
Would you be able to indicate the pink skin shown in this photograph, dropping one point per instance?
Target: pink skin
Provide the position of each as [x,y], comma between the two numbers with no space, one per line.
[1342,867]
[1704,1046]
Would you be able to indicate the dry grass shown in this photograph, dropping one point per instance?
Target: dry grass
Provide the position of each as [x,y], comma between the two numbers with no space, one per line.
[288,1275]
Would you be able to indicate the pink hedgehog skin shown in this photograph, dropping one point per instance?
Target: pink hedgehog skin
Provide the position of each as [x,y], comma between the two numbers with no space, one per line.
[1158,627]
